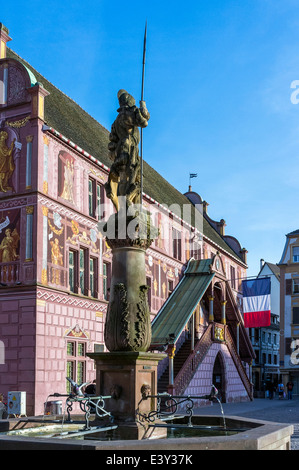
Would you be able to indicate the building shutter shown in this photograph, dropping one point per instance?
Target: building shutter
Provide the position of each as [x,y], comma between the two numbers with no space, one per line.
[288,286]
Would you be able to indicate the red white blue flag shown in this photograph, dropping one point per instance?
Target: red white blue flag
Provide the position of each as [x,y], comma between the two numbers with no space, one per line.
[256,302]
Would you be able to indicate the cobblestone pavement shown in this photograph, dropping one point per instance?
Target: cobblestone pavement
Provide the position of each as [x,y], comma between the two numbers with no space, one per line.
[279,411]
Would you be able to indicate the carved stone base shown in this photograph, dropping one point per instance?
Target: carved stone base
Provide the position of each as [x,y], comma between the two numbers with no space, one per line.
[128,324]
[125,375]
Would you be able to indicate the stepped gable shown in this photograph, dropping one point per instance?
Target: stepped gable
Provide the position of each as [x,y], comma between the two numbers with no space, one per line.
[68,118]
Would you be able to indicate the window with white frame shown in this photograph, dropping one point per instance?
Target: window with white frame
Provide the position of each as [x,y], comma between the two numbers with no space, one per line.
[296,286]
[295,254]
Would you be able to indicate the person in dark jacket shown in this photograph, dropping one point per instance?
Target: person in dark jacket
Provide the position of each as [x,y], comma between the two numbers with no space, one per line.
[290,386]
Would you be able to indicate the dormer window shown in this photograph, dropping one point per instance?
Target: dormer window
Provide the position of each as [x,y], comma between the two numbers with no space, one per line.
[295,254]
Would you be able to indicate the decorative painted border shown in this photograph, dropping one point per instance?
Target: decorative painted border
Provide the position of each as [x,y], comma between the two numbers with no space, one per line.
[71,301]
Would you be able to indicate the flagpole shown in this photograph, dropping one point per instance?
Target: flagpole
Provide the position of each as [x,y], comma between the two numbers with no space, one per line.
[191,175]
[141,133]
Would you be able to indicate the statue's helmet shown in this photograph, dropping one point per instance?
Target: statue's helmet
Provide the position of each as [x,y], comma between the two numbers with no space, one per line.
[125,99]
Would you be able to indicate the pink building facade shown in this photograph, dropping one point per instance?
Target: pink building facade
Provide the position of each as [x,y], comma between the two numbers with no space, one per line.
[54,263]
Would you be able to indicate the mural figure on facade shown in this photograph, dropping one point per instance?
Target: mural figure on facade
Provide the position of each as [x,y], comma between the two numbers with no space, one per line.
[124,176]
[7,165]
[68,186]
[56,260]
[9,245]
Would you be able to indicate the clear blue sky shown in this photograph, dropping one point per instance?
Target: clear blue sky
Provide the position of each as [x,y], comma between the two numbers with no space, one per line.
[217,85]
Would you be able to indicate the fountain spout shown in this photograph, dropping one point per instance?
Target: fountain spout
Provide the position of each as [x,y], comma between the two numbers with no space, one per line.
[213,394]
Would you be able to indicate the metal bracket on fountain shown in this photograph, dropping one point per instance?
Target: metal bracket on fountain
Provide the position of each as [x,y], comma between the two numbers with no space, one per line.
[89,405]
[168,405]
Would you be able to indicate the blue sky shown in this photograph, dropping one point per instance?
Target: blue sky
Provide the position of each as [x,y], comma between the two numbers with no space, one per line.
[217,84]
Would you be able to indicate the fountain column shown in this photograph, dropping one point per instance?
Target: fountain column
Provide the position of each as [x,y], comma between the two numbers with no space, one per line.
[128,372]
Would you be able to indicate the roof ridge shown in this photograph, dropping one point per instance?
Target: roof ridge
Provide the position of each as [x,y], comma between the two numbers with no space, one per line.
[72,127]
[54,86]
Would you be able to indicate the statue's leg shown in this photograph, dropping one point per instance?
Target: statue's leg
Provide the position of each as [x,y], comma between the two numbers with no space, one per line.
[111,187]
[133,182]
[114,198]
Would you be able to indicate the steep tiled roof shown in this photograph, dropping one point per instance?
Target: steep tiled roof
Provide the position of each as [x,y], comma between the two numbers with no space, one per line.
[69,119]
[275,269]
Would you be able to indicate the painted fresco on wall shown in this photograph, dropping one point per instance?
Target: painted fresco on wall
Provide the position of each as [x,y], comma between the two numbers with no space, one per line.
[56,271]
[77,235]
[62,234]
[66,176]
[7,165]
[9,235]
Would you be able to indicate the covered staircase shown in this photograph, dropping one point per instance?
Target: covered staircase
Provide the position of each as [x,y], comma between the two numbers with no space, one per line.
[177,311]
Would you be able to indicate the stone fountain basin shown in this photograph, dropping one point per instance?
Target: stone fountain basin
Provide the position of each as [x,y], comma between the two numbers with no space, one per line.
[254,435]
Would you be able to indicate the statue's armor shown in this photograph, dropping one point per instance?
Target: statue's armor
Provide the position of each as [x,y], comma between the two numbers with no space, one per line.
[123,146]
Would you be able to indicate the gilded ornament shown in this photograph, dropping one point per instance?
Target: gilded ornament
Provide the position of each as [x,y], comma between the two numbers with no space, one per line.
[57,232]
[219,333]
[57,260]
[46,139]
[45,211]
[44,277]
[19,123]
[171,352]
[45,187]
[29,210]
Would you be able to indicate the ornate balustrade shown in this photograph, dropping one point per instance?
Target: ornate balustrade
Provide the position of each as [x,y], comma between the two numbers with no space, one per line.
[238,363]
[10,273]
[214,332]
[185,375]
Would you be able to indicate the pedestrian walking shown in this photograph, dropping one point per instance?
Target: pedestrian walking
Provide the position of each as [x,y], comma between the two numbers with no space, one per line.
[281,390]
[290,386]
[272,390]
[3,409]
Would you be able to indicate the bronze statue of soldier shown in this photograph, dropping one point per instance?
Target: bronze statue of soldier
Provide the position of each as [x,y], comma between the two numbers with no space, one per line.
[124,176]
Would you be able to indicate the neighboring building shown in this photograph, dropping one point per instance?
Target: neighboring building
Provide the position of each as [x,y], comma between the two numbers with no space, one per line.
[265,340]
[289,308]
[55,266]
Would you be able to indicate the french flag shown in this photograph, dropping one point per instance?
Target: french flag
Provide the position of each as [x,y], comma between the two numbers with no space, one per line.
[256,302]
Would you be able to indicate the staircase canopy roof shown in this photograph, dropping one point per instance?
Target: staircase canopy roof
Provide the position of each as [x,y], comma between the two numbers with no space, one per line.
[177,310]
